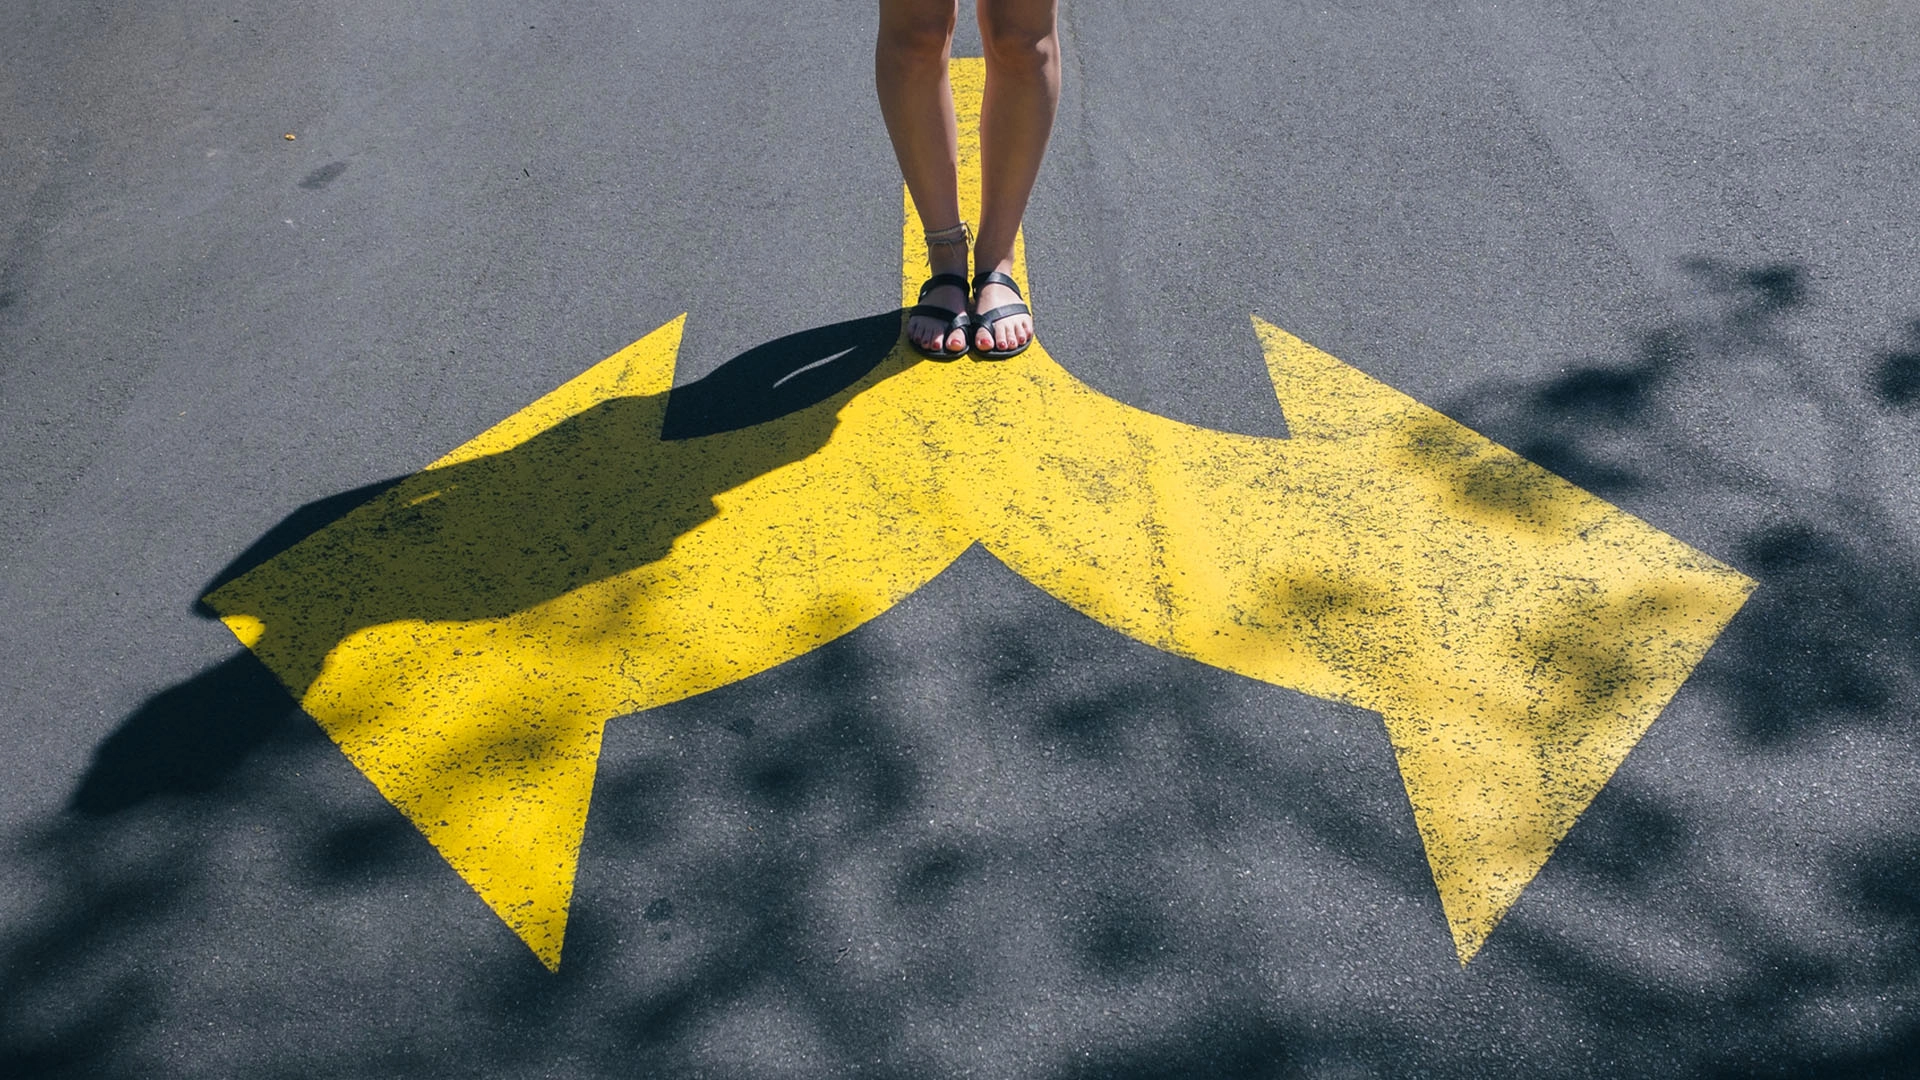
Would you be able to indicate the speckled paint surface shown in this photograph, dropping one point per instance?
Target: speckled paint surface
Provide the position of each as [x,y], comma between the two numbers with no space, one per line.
[466,636]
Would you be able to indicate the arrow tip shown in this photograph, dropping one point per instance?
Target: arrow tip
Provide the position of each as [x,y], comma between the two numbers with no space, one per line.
[1324,398]
[1537,630]
[642,369]
[496,776]
[247,628]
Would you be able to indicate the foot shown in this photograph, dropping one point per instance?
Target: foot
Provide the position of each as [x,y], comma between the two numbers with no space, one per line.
[1008,333]
[929,333]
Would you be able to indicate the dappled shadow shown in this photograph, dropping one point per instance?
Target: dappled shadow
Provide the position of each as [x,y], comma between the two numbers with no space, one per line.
[986,836]
[836,881]
[1896,377]
[1812,688]
[1833,631]
[1021,900]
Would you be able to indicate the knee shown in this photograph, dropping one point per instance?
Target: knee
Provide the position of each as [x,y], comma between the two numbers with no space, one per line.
[1017,45]
[917,41]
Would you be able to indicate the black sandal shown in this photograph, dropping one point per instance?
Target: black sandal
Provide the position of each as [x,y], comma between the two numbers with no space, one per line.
[955,320]
[985,319]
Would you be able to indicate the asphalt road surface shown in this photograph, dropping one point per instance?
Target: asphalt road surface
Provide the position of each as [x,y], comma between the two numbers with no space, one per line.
[1668,252]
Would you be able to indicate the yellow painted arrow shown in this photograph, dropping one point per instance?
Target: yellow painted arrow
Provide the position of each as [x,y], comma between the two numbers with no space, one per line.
[466,636]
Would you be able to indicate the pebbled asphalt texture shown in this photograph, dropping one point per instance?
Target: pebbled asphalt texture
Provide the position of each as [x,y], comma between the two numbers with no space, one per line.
[1668,251]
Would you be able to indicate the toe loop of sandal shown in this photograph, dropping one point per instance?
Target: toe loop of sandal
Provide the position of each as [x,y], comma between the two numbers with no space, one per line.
[954,320]
[985,320]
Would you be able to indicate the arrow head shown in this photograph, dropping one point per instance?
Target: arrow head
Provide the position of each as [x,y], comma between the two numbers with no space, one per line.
[1532,633]
[387,629]
[466,635]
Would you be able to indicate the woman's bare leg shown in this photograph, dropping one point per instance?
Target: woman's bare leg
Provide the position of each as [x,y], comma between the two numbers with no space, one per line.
[1022,48]
[916,100]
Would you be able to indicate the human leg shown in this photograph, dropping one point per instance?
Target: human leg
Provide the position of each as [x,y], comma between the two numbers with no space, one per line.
[916,101]
[1022,46]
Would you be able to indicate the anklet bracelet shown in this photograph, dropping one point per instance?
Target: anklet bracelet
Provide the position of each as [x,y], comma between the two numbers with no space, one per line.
[954,234]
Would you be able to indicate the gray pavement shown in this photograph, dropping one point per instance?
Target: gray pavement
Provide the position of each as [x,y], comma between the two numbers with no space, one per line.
[1667,251]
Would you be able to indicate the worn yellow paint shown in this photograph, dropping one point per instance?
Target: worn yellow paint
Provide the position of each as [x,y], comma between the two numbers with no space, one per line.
[246,628]
[434,710]
[465,636]
[1517,634]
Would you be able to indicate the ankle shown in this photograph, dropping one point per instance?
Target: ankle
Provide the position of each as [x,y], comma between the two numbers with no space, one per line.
[939,263]
[947,249]
[986,264]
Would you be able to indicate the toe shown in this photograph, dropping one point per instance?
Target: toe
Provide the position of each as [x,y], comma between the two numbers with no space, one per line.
[930,336]
[955,342]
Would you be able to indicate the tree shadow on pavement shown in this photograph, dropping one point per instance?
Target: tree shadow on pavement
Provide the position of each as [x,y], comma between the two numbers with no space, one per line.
[1789,929]
[986,836]
[1896,378]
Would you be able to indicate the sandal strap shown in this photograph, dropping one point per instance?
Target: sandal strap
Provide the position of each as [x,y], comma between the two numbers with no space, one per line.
[955,320]
[986,319]
[938,281]
[995,277]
